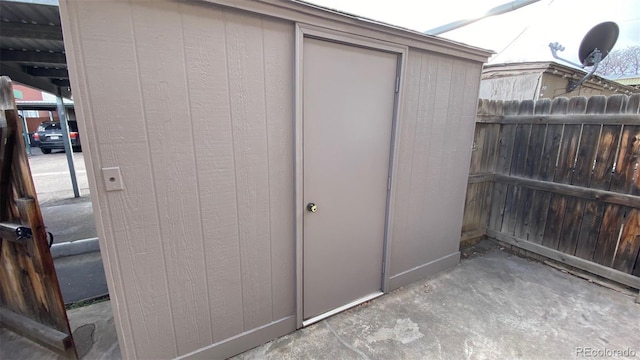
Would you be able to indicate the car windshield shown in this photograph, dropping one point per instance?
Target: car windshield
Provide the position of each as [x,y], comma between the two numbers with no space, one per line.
[51,126]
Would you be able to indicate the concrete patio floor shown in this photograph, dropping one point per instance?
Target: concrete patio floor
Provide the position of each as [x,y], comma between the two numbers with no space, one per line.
[494,305]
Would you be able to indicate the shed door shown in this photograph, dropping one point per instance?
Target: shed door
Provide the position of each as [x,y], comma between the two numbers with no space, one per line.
[348,95]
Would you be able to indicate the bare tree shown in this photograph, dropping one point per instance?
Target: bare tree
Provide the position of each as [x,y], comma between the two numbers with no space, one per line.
[621,62]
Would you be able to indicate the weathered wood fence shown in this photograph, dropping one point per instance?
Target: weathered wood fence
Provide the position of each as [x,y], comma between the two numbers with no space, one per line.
[561,179]
[30,300]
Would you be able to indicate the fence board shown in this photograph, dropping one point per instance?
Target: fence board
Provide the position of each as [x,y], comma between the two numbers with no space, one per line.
[534,150]
[566,179]
[568,150]
[605,157]
[543,107]
[538,216]
[571,225]
[622,178]
[629,244]
[597,104]
[522,228]
[483,157]
[609,233]
[28,281]
[478,149]
[616,104]
[520,146]
[472,204]
[586,155]
[555,216]
[510,209]
[505,148]
[589,229]
[550,152]
[496,214]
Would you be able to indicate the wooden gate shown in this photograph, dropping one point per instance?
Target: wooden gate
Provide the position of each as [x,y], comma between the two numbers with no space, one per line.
[561,179]
[30,300]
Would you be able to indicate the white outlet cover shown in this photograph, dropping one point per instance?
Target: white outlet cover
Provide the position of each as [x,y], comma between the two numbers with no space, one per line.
[112,179]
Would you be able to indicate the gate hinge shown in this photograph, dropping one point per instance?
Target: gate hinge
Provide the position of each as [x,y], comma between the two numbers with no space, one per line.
[389,183]
[397,83]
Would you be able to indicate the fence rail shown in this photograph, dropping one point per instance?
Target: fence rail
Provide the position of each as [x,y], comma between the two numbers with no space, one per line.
[560,178]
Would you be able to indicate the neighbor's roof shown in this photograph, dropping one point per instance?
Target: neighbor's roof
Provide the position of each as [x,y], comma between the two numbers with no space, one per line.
[629,81]
[549,67]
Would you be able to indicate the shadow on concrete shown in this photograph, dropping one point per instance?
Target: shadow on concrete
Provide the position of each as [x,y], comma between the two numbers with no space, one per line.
[494,305]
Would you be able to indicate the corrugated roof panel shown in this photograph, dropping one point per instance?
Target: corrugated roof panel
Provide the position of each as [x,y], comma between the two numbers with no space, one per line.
[32,44]
[29,13]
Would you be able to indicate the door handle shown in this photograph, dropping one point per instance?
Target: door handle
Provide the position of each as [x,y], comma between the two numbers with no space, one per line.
[311,207]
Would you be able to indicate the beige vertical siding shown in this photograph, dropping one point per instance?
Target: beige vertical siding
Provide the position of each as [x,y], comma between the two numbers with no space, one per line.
[194,103]
[197,114]
[435,134]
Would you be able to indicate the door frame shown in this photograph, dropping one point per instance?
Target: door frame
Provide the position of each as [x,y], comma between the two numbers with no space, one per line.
[302,31]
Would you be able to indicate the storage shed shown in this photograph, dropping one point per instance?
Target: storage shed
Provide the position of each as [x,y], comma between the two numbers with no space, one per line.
[256,166]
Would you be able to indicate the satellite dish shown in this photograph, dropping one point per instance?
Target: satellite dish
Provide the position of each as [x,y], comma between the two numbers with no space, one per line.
[594,47]
[601,37]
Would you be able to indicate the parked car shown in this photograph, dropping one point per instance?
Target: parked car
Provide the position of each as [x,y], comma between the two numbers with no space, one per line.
[49,136]
[33,141]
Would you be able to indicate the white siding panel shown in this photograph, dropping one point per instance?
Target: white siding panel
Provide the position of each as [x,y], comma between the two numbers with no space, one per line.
[245,54]
[426,161]
[432,158]
[405,141]
[455,163]
[122,142]
[278,38]
[165,97]
[194,103]
[206,60]
[437,222]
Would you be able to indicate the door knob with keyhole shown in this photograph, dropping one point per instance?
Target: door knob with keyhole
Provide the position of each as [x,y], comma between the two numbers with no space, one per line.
[312,207]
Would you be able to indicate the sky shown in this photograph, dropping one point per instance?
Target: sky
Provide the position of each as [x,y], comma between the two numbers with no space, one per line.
[520,35]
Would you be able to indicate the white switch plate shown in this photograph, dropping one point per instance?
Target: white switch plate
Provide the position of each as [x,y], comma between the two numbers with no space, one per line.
[112,179]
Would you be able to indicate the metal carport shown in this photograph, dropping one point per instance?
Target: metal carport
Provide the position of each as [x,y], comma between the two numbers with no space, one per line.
[32,53]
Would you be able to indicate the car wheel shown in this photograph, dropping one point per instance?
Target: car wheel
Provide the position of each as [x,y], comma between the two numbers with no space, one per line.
[45,151]
[77,149]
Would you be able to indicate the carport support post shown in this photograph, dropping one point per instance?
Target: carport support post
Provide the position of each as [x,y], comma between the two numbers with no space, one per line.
[62,114]
[25,134]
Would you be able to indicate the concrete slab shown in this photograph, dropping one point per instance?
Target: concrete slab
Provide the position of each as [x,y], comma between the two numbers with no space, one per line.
[494,305]
[93,332]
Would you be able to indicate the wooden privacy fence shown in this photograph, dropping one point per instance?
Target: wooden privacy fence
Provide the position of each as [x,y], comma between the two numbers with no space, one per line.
[560,178]
[30,300]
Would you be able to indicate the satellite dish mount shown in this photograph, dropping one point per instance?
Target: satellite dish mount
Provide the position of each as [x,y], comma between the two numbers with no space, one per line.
[595,46]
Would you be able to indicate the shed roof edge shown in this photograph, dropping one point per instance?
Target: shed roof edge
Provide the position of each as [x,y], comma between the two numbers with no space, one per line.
[303,12]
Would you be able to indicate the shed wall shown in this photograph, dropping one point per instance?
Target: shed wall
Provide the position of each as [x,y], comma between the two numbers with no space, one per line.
[197,114]
[434,148]
[194,103]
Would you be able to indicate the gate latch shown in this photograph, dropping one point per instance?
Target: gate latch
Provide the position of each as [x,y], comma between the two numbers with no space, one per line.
[23,233]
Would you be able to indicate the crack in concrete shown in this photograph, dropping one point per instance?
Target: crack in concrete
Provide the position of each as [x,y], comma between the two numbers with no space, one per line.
[343,342]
